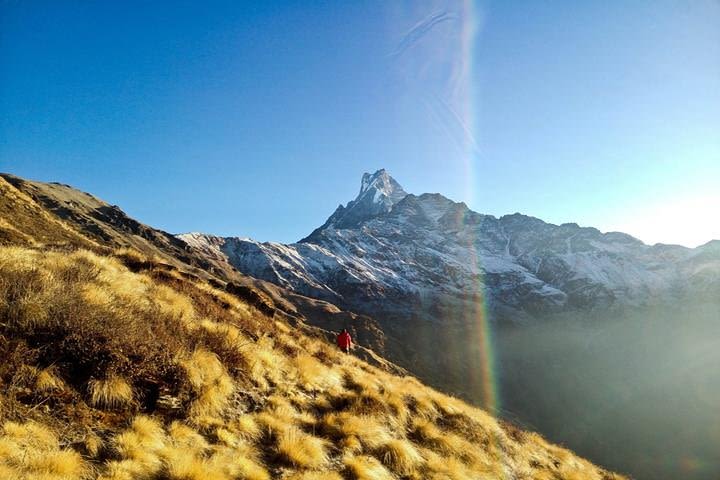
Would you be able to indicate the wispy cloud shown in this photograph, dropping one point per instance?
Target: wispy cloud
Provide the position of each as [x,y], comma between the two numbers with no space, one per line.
[420,30]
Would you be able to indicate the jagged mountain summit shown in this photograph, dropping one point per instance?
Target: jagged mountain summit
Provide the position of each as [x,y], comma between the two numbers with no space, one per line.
[388,249]
[378,193]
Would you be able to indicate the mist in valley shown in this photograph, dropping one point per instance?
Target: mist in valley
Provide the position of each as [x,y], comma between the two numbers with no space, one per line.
[637,391]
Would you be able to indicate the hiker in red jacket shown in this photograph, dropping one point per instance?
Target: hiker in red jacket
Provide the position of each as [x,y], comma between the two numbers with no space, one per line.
[344,341]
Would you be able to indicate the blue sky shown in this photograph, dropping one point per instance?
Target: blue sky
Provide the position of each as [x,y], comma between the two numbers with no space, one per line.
[257,119]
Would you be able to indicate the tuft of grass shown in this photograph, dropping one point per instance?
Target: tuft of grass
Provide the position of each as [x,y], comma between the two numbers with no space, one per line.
[190,456]
[131,257]
[240,464]
[365,429]
[112,392]
[247,428]
[211,383]
[302,450]
[401,456]
[248,469]
[276,420]
[140,449]
[187,438]
[422,406]
[314,375]
[369,403]
[93,445]
[429,434]
[364,467]
[351,445]
[268,365]
[29,434]
[48,381]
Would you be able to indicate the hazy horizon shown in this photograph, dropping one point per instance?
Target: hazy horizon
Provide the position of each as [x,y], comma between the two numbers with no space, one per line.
[257,120]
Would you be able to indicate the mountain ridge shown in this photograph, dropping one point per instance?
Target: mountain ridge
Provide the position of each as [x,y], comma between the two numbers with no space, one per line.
[379,241]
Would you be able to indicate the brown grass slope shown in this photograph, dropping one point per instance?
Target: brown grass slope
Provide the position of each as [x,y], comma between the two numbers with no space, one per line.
[111,373]
[24,222]
[97,221]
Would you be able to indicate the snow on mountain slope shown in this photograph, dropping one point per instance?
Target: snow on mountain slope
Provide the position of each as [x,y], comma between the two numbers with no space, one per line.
[387,248]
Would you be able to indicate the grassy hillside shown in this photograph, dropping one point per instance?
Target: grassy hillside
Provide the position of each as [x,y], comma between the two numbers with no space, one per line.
[55,215]
[112,373]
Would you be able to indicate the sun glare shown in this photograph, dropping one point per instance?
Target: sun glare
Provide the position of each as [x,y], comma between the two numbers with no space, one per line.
[690,220]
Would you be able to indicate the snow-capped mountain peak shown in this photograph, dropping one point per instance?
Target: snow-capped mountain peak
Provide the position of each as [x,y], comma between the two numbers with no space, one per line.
[378,193]
[381,188]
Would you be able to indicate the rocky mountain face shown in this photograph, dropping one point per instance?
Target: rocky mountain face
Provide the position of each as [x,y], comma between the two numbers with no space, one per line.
[389,252]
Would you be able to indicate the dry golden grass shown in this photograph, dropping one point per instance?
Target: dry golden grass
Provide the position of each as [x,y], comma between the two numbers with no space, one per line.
[366,468]
[366,430]
[30,450]
[228,464]
[211,383]
[313,476]
[254,398]
[430,435]
[314,376]
[247,428]
[112,392]
[147,450]
[401,456]
[302,450]
[23,221]
[140,448]
[93,445]
[443,467]
[48,381]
